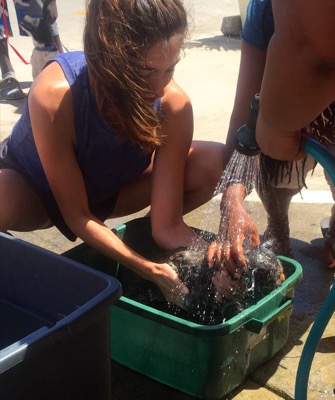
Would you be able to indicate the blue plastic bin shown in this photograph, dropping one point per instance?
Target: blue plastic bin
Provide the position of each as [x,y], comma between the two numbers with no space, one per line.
[55,325]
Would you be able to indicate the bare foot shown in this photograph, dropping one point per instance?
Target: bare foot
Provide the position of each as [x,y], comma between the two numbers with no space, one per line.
[328,251]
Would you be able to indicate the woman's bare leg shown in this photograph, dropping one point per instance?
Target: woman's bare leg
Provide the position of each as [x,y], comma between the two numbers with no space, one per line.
[203,171]
[205,163]
[21,209]
[328,248]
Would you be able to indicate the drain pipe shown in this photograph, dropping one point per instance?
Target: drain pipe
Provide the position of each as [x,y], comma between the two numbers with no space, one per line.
[247,145]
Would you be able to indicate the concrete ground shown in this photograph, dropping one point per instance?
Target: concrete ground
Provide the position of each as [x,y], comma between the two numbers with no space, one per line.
[208,72]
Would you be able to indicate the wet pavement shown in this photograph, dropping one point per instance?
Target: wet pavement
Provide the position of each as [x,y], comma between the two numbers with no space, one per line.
[208,72]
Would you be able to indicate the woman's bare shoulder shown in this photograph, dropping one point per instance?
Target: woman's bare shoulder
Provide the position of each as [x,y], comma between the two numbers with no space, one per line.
[50,105]
[175,98]
[50,89]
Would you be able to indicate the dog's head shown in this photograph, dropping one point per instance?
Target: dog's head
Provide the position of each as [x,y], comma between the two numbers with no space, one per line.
[39,30]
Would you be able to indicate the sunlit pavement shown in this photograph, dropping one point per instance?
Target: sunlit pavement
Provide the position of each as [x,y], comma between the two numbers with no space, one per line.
[208,73]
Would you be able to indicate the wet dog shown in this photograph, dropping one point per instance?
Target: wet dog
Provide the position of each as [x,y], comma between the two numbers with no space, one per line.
[265,273]
[44,45]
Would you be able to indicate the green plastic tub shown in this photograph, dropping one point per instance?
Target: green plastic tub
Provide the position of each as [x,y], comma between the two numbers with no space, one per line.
[205,361]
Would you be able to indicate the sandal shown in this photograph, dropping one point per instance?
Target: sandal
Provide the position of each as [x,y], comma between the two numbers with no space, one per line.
[10,89]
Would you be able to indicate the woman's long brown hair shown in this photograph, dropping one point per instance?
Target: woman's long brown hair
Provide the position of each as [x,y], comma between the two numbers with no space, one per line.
[117,35]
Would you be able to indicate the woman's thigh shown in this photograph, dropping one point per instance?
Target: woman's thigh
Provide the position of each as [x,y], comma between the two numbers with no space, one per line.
[135,196]
[203,170]
[205,163]
[21,209]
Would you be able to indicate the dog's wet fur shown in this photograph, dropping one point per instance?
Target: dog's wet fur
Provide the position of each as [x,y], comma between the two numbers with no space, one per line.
[265,273]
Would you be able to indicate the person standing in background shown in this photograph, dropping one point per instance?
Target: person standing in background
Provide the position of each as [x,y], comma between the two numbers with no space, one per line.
[295,91]
[10,88]
[278,181]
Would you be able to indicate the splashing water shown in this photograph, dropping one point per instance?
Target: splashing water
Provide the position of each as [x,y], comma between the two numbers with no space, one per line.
[266,271]
[240,168]
[201,305]
[246,170]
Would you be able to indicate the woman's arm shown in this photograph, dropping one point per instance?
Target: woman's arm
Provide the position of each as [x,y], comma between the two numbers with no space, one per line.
[236,224]
[252,64]
[167,200]
[50,106]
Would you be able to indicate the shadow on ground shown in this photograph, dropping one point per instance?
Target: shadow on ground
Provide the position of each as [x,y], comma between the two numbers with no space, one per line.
[219,43]
[18,105]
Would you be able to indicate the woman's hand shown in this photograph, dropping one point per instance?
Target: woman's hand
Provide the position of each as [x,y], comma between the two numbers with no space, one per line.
[236,228]
[166,278]
[226,253]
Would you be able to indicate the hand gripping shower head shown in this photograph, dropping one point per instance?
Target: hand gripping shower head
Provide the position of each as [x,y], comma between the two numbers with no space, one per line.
[245,142]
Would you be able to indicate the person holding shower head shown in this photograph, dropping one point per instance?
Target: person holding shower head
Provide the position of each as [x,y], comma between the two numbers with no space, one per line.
[278,181]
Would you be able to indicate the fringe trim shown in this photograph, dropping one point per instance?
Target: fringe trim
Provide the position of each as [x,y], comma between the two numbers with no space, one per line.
[321,129]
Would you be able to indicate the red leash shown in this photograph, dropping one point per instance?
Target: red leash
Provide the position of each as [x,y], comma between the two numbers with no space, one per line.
[7,33]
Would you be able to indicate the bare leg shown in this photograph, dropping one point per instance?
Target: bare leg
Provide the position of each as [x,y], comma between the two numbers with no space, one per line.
[204,168]
[276,202]
[203,171]
[21,209]
[328,249]
[5,64]
[9,87]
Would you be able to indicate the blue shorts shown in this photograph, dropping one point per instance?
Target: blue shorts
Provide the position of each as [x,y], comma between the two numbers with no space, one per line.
[34,8]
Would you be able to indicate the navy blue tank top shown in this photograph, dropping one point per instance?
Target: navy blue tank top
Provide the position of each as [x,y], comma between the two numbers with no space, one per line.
[106,162]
